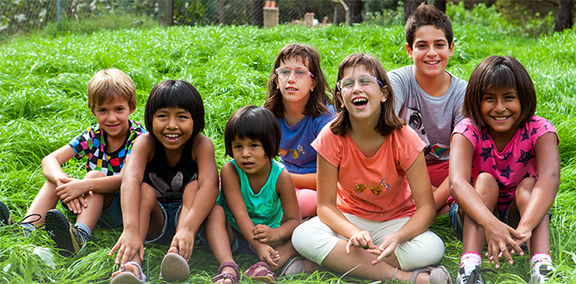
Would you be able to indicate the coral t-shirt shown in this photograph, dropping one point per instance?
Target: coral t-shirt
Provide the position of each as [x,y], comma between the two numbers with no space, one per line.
[373,188]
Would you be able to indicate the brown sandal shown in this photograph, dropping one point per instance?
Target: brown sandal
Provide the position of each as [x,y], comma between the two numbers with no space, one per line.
[263,275]
[233,278]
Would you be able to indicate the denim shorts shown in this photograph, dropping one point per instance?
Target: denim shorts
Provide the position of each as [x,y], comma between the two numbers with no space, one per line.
[171,211]
[110,217]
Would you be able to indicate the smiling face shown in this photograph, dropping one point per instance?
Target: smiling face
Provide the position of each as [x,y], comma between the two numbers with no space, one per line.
[250,155]
[112,117]
[430,52]
[362,102]
[501,110]
[293,88]
[172,126]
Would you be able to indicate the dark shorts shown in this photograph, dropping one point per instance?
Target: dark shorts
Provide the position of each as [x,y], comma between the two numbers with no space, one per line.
[171,211]
[456,220]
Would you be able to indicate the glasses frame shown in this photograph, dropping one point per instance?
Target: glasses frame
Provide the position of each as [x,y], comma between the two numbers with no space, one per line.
[356,80]
[292,70]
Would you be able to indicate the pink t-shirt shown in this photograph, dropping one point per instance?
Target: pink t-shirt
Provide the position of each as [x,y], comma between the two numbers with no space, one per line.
[516,162]
[372,188]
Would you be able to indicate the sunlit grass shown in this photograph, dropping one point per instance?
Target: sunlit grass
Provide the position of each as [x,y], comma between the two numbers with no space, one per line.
[43,106]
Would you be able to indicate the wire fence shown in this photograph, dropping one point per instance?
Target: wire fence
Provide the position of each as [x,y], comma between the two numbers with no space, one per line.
[25,16]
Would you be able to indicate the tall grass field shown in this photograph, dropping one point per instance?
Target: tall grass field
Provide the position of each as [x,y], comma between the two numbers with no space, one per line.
[43,105]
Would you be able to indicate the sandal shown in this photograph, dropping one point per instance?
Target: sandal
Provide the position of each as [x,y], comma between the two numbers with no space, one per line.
[263,275]
[128,277]
[230,276]
[174,267]
[438,275]
[295,265]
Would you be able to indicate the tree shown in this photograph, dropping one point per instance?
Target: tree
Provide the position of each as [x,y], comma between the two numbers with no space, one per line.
[440,5]
[410,6]
[564,18]
[355,10]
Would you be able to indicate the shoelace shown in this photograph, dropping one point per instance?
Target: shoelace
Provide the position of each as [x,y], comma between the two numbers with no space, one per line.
[83,236]
[22,222]
[476,276]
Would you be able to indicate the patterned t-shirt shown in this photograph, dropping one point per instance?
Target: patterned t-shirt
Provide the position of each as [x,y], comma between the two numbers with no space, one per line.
[92,142]
[515,163]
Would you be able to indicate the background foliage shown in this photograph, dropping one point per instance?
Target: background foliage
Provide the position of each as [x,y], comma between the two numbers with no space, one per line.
[43,82]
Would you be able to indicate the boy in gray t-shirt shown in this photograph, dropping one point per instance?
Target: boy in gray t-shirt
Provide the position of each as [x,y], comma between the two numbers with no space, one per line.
[427,96]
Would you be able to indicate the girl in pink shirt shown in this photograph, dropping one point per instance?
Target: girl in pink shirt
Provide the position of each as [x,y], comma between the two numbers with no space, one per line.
[375,200]
[504,161]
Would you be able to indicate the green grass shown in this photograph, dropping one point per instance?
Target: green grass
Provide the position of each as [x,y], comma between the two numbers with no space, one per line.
[43,83]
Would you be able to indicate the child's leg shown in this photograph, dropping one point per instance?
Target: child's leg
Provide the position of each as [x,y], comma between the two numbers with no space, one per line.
[219,236]
[151,214]
[45,200]
[540,240]
[95,203]
[307,202]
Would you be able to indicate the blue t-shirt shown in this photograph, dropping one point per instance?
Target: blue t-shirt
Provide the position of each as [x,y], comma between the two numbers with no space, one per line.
[296,154]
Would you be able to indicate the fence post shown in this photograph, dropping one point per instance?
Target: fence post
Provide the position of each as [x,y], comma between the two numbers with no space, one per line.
[270,15]
[165,12]
[58,17]
[309,19]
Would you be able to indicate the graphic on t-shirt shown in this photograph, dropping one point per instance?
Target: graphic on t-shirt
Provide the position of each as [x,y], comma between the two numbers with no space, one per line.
[439,150]
[376,189]
[415,121]
[359,188]
[294,152]
[384,184]
[165,190]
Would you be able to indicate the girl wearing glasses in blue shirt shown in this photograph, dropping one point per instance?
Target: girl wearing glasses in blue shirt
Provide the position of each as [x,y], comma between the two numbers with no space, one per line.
[297,97]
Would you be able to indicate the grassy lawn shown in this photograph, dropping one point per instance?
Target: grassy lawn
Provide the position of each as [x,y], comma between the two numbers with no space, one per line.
[43,84]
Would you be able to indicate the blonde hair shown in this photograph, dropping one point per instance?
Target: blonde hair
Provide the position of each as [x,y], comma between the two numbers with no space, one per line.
[109,84]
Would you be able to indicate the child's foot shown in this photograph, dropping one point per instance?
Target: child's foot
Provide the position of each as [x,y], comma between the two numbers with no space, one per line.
[68,238]
[295,265]
[542,275]
[130,273]
[227,273]
[471,277]
[174,267]
[261,272]
[5,217]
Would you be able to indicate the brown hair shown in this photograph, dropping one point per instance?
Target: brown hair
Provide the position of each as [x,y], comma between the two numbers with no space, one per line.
[109,84]
[318,99]
[428,15]
[499,72]
[388,120]
[256,123]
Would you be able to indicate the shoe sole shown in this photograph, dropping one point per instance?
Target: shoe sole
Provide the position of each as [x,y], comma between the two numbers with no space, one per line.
[60,230]
[174,267]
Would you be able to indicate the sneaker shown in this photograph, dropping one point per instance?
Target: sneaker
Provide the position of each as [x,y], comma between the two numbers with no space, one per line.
[69,239]
[544,274]
[473,278]
[5,217]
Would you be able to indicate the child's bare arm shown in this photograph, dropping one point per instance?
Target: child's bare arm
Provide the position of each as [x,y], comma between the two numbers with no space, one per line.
[51,164]
[130,244]
[291,209]
[304,180]
[546,187]
[204,199]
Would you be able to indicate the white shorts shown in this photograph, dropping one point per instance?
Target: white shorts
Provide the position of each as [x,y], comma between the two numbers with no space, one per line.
[315,240]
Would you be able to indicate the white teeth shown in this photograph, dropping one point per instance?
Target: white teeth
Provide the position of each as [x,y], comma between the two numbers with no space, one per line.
[359,100]
[500,118]
[172,135]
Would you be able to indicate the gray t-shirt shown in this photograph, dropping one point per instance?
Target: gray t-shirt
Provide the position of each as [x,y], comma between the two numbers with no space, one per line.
[433,118]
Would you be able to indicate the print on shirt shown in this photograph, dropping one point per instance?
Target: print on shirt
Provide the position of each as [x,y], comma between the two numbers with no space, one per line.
[295,153]
[376,189]
[166,191]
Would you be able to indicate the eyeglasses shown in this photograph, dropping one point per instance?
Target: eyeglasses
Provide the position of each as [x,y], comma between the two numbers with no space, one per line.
[299,73]
[364,81]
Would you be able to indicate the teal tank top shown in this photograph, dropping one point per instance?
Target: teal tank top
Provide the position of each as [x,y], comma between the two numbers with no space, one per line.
[264,207]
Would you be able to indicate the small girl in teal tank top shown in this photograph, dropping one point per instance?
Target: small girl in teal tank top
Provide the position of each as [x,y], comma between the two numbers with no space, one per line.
[257,207]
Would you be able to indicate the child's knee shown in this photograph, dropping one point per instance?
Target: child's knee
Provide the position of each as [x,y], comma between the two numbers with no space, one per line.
[307,202]
[94,174]
[216,214]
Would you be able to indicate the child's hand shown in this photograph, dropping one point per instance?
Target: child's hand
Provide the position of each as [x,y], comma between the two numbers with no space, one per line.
[183,241]
[265,234]
[361,239]
[76,205]
[501,242]
[385,249]
[267,254]
[70,188]
[129,246]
